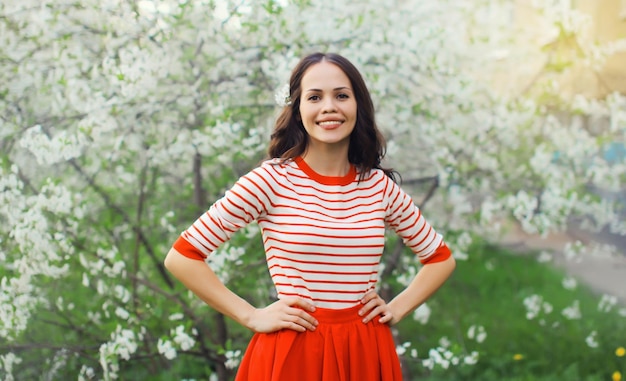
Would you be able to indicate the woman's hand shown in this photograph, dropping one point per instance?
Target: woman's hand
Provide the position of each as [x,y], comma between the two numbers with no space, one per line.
[373,306]
[287,313]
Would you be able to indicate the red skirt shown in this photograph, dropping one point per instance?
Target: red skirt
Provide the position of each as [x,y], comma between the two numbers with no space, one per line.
[342,348]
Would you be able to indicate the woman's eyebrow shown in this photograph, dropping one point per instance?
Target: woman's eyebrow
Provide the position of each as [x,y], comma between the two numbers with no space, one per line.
[335,89]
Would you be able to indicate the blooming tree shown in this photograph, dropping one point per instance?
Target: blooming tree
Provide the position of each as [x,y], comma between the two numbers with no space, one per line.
[121,121]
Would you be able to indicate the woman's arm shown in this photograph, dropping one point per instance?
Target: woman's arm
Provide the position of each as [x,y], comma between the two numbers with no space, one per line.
[197,276]
[428,280]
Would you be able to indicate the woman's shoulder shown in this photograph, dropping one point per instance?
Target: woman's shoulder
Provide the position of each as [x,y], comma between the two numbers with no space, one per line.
[375,174]
[272,166]
[276,163]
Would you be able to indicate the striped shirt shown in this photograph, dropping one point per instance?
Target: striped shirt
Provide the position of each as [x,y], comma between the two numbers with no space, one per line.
[323,236]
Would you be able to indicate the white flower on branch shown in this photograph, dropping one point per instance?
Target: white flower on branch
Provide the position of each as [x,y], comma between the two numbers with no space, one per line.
[233,358]
[471,359]
[51,150]
[176,316]
[86,373]
[282,96]
[166,349]
[422,314]
[185,341]
[122,345]
[401,349]
[7,361]
[122,294]
[122,313]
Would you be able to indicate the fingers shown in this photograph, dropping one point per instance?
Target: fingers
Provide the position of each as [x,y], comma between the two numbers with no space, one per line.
[295,314]
[370,295]
[302,303]
[288,313]
[293,327]
[291,313]
[298,308]
[301,321]
[374,306]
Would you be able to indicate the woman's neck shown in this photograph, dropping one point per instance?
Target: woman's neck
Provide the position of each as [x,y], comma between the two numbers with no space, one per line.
[328,163]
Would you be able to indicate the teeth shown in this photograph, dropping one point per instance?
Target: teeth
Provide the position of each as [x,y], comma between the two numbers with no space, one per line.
[329,123]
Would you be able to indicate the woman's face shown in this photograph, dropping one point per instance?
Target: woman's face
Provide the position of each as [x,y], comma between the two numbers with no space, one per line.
[327,105]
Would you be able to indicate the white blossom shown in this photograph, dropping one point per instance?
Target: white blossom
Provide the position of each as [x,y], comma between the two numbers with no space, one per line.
[232,359]
[176,316]
[477,333]
[471,359]
[181,338]
[592,340]
[445,342]
[166,348]
[569,283]
[607,303]
[535,305]
[422,314]
[401,349]
[282,96]
[7,361]
[86,373]
[122,313]
[572,312]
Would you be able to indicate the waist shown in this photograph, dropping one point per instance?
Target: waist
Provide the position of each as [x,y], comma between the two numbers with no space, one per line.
[344,315]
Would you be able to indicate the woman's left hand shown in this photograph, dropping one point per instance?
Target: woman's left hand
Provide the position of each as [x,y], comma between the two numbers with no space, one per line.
[373,306]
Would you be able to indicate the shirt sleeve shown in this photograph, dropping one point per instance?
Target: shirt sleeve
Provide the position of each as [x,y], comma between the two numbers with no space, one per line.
[406,219]
[240,205]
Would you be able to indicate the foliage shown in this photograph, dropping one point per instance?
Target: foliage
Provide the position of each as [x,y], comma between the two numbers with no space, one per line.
[121,121]
[491,311]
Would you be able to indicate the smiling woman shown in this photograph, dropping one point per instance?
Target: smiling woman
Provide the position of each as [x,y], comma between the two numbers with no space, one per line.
[323,203]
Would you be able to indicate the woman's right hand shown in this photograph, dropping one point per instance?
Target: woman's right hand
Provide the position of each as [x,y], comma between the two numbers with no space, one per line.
[287,313]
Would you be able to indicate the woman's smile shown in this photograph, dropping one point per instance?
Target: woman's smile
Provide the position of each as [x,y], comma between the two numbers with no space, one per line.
[330,124]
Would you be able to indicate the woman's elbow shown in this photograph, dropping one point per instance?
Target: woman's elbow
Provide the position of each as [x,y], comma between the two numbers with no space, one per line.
[171,259]
[451,263]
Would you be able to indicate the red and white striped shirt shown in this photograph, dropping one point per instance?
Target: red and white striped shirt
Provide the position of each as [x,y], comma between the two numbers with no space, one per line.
[323,236]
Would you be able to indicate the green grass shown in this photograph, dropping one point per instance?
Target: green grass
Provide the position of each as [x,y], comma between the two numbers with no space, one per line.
[489,290]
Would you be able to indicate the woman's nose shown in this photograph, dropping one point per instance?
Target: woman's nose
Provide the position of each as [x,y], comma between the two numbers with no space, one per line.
[329,105]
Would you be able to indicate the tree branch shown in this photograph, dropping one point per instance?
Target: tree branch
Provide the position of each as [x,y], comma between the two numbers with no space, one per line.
[430,192]
[199,201]
[140,235]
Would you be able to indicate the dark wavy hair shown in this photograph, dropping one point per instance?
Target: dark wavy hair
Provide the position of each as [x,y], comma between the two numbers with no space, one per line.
[367,145]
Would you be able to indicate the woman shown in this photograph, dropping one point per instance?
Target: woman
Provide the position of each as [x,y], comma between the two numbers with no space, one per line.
[323,202]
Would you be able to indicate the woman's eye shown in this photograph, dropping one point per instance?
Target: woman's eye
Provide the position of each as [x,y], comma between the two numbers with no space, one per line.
[314,97]
[343,96]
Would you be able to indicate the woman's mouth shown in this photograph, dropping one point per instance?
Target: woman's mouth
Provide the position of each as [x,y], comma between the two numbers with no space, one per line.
[330,124]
